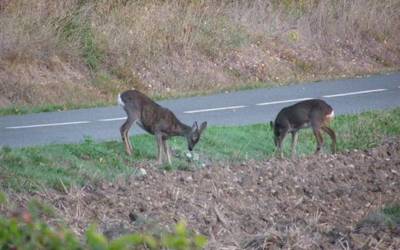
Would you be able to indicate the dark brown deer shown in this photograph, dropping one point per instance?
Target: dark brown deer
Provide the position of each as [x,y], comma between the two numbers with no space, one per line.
[156,120]
[314,113]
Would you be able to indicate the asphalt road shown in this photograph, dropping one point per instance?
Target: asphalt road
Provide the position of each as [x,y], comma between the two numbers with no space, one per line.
[377,92]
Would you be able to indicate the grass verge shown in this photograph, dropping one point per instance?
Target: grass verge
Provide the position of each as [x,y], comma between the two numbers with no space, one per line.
[57,166]
[22,110]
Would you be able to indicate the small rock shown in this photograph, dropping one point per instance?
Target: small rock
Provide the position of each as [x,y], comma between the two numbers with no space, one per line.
[133,216]
[142,172]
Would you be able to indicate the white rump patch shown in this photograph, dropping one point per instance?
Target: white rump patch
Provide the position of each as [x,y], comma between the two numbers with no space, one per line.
[120,102]
[331,115]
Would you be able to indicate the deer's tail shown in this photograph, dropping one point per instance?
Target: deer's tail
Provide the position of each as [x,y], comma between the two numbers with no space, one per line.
[331,114]
[329,117]
[120,102]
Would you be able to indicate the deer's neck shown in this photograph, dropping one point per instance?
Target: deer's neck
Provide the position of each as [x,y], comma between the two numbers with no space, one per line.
[182,129]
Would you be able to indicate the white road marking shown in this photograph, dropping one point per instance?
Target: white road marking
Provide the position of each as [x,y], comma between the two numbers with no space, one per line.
[201,110]
[355,93]
[214,109]
[48,125]
[285,101]
[112,119]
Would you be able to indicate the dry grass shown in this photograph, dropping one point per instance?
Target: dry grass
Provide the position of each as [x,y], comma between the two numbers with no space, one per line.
[172,47]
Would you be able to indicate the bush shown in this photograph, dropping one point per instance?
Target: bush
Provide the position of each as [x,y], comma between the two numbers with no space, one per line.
[25,231]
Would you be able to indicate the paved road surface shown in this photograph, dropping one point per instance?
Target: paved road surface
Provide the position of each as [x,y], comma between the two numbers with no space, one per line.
[238,108]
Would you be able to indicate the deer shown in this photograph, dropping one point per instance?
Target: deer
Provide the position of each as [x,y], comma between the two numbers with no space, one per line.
[156,120]
[314,113]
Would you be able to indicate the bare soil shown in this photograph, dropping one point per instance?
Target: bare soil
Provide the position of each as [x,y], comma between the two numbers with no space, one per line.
[316,202]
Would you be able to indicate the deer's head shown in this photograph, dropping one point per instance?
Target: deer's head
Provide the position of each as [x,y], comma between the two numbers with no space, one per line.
[194,135]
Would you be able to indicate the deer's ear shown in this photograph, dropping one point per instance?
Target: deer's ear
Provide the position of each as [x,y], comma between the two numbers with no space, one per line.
[271,123]
[203,126]
[194,126]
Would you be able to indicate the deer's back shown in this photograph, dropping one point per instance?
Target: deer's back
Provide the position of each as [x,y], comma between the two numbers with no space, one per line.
[151,116]
[300,114]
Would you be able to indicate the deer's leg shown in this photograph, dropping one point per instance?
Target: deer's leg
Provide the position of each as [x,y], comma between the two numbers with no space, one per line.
[160,147]
[318,137]
[128,141]
[295,136]
[124,130]
[332,134]
[280,142]
[167,151]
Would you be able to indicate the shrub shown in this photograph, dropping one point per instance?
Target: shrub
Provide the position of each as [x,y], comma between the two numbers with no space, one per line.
[75,27]
[25,231]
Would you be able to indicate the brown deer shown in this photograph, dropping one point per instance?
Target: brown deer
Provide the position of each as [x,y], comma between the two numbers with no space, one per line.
[156,120]
[313,113]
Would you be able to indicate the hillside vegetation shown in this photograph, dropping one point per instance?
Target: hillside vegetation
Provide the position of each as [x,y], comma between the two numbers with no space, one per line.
[85,52]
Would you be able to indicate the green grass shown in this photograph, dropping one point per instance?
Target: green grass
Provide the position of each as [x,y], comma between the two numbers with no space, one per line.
[57,166]
[22,110]
[392,213]
[387,217]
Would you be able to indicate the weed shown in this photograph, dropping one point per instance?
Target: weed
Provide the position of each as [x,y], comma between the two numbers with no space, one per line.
[392,212]
[26,230]
[388,217]
[76,26]
[293,36]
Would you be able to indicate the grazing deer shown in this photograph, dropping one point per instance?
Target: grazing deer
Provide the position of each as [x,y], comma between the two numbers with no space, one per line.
[313,113]
[156,120]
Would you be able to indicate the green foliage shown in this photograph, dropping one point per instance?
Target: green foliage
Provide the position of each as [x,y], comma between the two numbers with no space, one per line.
[183,239]
[293,36]
[392,213]
[76,27]
[3,198]
[26,231]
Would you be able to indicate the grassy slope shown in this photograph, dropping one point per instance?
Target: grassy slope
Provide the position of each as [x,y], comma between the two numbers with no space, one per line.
[77,164]
[62,54]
